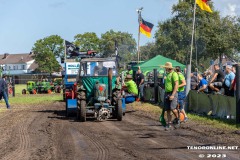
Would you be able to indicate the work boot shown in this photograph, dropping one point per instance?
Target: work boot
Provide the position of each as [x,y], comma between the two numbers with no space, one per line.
[176,123]
[167,128]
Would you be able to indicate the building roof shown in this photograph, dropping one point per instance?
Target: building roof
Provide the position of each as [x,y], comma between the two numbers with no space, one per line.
[33,66]
[16,58]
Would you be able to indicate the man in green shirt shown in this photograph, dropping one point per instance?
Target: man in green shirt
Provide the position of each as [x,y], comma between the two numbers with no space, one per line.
[131,86]
[171,95]
[181,92]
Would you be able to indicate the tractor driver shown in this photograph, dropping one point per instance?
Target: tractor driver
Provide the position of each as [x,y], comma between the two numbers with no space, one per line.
[130,86]
[100,70]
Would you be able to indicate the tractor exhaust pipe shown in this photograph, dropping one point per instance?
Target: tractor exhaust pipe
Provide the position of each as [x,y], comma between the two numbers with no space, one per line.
[110,84]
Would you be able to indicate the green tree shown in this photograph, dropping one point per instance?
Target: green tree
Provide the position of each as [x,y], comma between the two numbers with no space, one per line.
[46,51]
[87,41]
[214,35]
[148,51]
[126,44]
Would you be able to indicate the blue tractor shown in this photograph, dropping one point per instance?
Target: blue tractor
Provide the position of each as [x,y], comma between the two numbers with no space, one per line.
[70,87]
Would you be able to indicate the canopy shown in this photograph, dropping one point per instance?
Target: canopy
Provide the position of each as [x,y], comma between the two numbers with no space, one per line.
[156,62]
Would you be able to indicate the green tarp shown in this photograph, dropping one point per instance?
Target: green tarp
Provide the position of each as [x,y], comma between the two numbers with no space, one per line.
[156,62]
[89,83]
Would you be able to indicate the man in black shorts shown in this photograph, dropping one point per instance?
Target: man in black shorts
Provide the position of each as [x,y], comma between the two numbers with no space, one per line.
[171,94]
[217,80]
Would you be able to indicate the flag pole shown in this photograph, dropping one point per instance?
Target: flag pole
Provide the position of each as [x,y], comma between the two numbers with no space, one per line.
[190,61]
[139,20]
[138,48]
[193,32]
[65,51]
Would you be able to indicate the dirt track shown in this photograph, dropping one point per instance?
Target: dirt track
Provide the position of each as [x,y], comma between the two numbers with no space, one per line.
[43,132]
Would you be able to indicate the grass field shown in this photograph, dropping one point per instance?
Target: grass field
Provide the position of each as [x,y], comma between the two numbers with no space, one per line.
[19,88]
[32,99]
[35,99]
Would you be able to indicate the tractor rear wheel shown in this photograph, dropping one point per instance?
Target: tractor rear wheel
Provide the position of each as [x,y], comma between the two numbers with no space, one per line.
[116,95]
[57,90]
[24,91]
[119,110]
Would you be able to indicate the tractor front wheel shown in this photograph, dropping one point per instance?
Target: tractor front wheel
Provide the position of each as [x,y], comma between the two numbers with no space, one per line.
[81,111]
[81,106]
[119,110]
[64,96]
[66,107]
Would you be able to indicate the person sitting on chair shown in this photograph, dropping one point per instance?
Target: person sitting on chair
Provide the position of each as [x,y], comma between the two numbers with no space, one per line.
[130,86]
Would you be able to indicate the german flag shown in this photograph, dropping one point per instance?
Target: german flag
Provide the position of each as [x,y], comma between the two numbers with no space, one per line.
[204,5]
[146,28]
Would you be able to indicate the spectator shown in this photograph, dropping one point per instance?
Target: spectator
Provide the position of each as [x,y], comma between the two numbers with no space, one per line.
[234,69]
[217,80]
[130,86]
[140,84]
[209,75]
[204,75]
[202,84]
[129,70]
[233,86]
[181,92]
[171,95]
[4,90]
[194,82]
[100,70]
[228,80]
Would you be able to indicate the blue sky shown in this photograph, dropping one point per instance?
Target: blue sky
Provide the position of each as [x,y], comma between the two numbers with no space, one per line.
[25,21]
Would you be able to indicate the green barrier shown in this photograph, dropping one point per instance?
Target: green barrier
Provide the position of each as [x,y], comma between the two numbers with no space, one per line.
[214,103]
[160,95]
[148,93]
[220,106]
[199,103]
[224,106]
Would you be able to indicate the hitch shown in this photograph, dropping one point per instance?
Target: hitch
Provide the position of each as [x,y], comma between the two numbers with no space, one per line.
[102,114]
